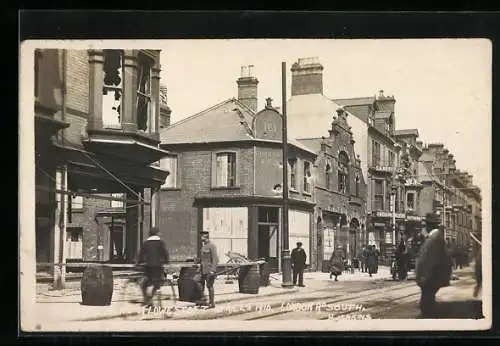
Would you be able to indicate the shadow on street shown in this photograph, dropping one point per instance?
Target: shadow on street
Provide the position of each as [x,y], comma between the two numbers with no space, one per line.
[468,309]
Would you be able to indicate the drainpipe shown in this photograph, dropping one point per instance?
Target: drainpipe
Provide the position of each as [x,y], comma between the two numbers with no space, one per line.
[62,215]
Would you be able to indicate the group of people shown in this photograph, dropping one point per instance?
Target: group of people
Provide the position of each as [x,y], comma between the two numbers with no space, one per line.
[154,256]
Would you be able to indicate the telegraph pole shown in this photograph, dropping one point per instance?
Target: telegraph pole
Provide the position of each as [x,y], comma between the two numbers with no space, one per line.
[287,261]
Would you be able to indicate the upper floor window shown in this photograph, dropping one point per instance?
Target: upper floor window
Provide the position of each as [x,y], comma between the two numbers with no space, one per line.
[169,164]
[392,157]
[38,57]
[144,94]
[343,173]
[410,201]
[113,87]
[375,153]
[357,186]
[379,195]
[328,173]
[292,165]
[307,176]
[117,203]
[225,169]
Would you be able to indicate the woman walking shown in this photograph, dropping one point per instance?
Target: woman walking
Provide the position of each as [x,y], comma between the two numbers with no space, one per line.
[336,263]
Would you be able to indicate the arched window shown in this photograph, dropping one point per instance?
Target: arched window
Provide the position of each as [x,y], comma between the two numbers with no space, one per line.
[343,172]
[328,172]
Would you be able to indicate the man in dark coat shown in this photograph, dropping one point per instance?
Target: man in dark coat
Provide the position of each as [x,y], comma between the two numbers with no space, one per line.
[208,265]
[371,260]
[401,261]
[434,266]
[154,256]
[363,259]
[298,264]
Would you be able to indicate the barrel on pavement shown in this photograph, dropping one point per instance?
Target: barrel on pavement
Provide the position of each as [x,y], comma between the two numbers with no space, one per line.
[97,285]
[264,269]
[249,279]
[188,289]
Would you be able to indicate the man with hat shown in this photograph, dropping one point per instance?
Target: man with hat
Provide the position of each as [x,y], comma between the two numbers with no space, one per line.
[208,263]
[298,264]
[434,266]
[154,256]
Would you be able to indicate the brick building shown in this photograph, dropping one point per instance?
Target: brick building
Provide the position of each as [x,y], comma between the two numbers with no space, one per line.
[226,169]
[96,129]
[340,192]
[451,194]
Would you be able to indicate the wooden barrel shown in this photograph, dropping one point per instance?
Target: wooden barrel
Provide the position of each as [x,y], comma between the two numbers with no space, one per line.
[249,279]
[264,274]
[188,290]
[97,285]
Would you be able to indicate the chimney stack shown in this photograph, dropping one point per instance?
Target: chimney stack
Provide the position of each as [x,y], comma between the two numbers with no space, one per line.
[247,88]
[385,103]
[307,77]
[165,110]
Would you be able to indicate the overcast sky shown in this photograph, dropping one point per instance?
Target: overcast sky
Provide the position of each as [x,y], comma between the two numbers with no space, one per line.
[442,87]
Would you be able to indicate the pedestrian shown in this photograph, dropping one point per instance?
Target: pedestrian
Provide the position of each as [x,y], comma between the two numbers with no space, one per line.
[371,260]
[434,266]
[363,259]
[299,258]
[336,263]
[401,260]
[153,255]
[478,270]
[376,253]
[208,266]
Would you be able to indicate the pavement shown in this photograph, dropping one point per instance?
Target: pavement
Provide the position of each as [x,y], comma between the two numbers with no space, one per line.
[53,306]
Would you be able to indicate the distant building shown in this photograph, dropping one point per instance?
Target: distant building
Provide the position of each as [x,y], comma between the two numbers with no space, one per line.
[226,165]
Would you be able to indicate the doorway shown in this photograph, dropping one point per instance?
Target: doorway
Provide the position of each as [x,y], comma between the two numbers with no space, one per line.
[268,241]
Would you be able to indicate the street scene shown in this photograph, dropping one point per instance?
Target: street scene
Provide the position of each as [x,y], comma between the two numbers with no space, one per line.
[260,180]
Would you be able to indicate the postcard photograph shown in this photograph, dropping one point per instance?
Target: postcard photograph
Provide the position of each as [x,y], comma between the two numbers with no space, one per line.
[255,185]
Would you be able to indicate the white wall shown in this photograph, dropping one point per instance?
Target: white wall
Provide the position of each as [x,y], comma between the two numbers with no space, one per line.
[299,225]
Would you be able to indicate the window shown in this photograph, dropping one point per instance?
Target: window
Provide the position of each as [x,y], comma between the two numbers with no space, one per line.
[225,170]
[375,153]
[118,204]
[343,173]
[292,164]
[170,165]
[410,201]
[357,186]
[307,176]
[391,158]
[144,95]
[379,195]
[38,57]
[113,87]
[76,203]
[328,172]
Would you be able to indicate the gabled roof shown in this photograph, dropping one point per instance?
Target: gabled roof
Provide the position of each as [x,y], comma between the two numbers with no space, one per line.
[223,122]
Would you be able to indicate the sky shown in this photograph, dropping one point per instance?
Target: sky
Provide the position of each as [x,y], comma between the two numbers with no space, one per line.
[442,86]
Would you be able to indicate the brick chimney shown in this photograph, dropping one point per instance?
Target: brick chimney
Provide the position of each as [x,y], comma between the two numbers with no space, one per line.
[247,88]
[165,110]
[307,77]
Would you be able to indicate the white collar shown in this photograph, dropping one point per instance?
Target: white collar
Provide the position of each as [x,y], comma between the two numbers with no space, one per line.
[154,237]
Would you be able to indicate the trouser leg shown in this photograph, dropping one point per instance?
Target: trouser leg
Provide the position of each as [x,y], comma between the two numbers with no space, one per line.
[294,276]
[211,291]
[427,302]
[301,277]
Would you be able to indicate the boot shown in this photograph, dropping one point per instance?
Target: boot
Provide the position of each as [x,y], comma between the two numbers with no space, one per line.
[211,303]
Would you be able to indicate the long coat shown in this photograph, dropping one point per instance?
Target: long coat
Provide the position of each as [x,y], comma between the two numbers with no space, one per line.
[336,263]
[434,265]
[371,261]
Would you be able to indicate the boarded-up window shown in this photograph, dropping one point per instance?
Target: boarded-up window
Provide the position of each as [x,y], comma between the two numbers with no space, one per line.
[299,227]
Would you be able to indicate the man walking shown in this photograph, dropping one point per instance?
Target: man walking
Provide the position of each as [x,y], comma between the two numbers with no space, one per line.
[363,259]
[154,256]
[208,262]
[434,266]
[298,264]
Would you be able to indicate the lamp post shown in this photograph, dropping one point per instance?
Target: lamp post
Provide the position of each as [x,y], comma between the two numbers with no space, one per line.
[287,260]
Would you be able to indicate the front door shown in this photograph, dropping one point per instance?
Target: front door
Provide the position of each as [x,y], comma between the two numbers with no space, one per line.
[328,247]
[268,245]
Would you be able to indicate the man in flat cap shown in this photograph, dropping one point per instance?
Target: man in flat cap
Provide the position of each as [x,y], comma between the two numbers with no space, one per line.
[434,266]
[298,264]
[208,262]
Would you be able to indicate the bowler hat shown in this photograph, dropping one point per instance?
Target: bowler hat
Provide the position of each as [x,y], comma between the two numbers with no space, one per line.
[431,218]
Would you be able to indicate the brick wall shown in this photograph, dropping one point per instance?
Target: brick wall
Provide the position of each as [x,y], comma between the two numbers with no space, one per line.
[78,80]
[178,216]
[307,84]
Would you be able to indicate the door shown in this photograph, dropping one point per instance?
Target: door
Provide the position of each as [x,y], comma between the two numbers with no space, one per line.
[328,247]
[268,245]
